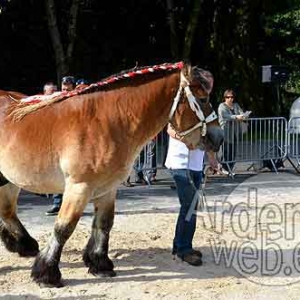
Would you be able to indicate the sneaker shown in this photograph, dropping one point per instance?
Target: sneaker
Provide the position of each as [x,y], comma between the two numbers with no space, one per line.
[191,258]
[52,211]
[153,179]
[224,172]
[127,184]
[173,187]
[141,181]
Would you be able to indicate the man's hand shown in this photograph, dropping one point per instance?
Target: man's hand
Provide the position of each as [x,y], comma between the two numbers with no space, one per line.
[212,159]
[190,146]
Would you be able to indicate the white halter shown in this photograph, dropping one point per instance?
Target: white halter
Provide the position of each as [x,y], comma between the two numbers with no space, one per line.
[184,86]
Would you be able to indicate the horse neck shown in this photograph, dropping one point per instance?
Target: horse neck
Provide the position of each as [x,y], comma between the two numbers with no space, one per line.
[150,105]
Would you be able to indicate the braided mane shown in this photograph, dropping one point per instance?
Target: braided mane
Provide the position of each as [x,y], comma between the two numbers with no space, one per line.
[134,72]
[100,85]
[33,103]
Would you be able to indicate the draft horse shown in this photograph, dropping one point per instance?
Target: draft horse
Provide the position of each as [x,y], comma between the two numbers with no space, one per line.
[83,144]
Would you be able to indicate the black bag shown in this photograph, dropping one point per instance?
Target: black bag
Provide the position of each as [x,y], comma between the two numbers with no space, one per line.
[277,162]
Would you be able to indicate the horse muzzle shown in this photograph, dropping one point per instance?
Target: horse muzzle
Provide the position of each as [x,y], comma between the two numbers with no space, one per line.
[213,140]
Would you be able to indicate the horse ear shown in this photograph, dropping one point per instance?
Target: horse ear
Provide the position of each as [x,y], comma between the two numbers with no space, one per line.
[206,79]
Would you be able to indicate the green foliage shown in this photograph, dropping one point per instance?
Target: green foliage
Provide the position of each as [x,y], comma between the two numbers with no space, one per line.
[293,84]
[285,28]
[3,5]
[231,38]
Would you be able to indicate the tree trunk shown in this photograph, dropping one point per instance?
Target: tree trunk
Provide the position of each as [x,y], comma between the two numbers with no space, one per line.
[63,58]
[174,43]
[72,28]
[190,30]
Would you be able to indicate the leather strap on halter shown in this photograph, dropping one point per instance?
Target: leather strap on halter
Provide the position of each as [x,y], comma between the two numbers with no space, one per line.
[184,87]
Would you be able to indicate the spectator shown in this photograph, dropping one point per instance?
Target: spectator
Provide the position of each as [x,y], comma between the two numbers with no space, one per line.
[81,83]
[67,84]
[230,110]
[147,161]
[49,88]
[186,168]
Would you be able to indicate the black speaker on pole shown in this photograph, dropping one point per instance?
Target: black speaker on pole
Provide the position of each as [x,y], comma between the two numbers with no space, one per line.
[275,74]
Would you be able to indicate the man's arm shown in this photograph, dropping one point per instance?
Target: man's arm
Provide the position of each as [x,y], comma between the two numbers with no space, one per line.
[172,133]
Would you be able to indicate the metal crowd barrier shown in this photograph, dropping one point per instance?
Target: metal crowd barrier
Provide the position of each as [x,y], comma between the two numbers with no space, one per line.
[257,141]
[152,157]
[294,139]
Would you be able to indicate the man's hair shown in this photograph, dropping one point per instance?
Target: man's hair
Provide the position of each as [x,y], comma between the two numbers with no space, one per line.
[50,83]
[68,80]
[81,81]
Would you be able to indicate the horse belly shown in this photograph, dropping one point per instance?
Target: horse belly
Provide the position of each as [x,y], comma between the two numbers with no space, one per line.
[38,180]
[43,184]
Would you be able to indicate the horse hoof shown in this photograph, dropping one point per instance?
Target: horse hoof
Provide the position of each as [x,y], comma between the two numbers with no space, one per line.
[98,264]
[25,246]
[28,247]
[8,239]
[27,253]
[48,285]
[103,274]
[46,275]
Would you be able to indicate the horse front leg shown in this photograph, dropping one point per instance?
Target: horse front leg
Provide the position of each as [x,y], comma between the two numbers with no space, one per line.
[95,254]
[45,269]
[12,232]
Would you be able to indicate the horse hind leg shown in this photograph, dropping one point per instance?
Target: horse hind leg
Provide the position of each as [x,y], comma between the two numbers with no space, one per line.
[45,270]
[12,232]
[95,255]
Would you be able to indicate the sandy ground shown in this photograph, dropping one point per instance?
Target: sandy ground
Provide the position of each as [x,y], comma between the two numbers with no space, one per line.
[140,249]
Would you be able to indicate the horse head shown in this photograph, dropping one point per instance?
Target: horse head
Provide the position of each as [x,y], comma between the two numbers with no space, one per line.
[192,115]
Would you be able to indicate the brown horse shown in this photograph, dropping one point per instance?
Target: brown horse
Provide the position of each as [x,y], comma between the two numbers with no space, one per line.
[84,146]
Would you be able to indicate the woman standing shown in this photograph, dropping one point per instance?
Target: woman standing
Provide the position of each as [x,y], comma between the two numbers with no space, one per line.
[228,111]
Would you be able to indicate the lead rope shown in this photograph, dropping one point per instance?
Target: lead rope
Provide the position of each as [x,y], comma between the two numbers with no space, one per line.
[199,197]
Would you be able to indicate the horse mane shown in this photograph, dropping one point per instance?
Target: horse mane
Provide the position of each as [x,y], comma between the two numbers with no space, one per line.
[33,103]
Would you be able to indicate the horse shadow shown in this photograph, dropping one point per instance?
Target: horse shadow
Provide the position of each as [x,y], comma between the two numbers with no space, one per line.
[152,264]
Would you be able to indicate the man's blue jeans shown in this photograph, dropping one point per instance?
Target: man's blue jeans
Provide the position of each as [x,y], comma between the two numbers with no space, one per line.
[187,183]
[57,199]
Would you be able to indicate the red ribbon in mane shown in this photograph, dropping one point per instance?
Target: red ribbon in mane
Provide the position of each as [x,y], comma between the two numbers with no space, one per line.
[166,66]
